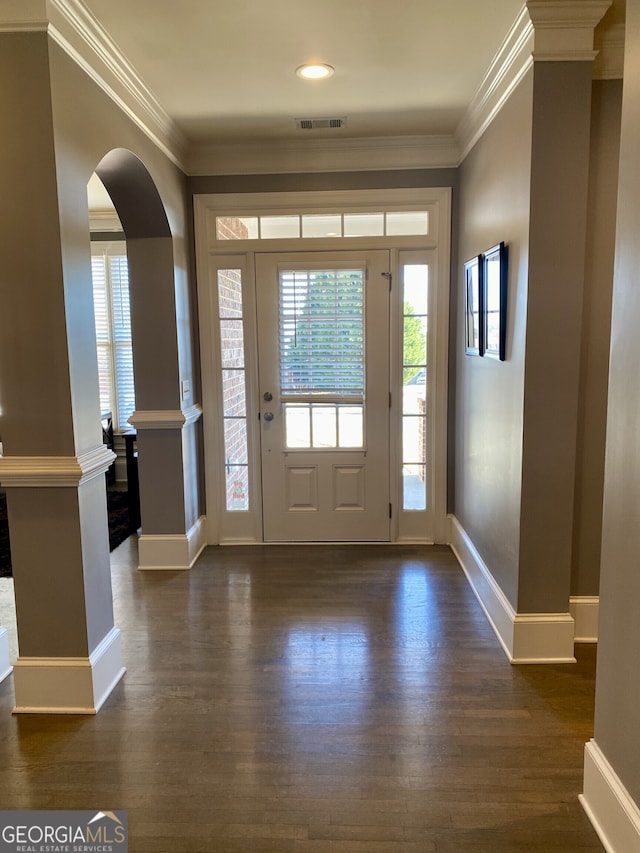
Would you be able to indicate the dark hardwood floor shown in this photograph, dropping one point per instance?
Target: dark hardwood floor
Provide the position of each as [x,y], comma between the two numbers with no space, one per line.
[311,700]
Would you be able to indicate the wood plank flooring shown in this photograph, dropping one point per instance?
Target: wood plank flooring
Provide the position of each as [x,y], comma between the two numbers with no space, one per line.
[309,699]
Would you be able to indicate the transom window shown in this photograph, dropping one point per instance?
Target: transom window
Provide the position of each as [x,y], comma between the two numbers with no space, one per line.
[397,223]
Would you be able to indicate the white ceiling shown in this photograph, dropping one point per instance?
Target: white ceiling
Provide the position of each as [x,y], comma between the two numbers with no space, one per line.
[225,71]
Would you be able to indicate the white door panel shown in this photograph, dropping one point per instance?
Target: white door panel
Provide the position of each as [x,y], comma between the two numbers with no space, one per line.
[323,352]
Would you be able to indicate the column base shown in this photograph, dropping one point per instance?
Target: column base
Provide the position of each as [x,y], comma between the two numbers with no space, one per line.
[68,685]
[609,806]
[525,637]
[584,610]
[174,552]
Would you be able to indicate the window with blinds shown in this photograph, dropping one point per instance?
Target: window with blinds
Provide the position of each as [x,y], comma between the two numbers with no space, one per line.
[321,343]
[322,333]
[113,331]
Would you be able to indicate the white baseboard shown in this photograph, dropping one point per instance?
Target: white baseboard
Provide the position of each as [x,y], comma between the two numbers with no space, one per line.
[525,637]
[585,610]
[614,814]
[5,661]
[173,552]
[68,685]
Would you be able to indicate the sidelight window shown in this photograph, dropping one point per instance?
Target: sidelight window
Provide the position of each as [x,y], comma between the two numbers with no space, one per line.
[233,380]
[415,281]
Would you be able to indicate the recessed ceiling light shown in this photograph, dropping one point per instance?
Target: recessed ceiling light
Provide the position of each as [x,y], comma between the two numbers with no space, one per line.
[314,71]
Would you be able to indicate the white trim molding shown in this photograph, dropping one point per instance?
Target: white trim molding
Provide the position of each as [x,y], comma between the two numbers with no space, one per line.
[55,471]
[173,552]
[585,611]
[68,685]
[510,64]
[5,661]
[545,30]
[609,63]
[609,806]
[564,29]
[525,637]
[165,418]
[72,26]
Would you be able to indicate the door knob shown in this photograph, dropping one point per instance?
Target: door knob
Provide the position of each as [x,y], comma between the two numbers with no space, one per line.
[268,416]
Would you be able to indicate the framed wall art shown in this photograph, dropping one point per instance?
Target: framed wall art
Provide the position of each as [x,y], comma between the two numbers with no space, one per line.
[473,272]
[494,302]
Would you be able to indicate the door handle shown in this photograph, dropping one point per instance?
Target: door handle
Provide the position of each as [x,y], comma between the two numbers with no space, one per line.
[268,416]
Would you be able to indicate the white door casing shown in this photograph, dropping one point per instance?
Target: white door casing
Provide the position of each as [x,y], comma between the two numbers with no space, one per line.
[228,520]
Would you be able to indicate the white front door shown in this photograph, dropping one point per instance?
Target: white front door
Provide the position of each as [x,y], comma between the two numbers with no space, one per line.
[323,364]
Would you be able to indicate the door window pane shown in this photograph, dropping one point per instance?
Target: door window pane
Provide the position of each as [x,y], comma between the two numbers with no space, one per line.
[323,424]
[350,426]
[297,425]
[322,332]
[318,426]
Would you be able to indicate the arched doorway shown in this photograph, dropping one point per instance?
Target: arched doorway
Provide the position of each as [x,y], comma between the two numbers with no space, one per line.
[171,528]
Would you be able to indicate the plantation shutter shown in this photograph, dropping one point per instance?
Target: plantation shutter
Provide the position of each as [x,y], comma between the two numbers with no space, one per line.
[321,334]
[122,350]
[103,334]
[113,331]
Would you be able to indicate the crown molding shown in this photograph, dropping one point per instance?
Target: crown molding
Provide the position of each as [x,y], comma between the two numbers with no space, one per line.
[564,28]
[70,24]
[544,30]
[609,64]
[325,155]
[510,64]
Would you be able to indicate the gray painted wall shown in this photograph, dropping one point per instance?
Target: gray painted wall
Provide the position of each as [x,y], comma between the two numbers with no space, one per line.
[617,720]
[596,333]
[526,182]
[62,125]
[88,125]
[494,206]
[34,375]
[557,244]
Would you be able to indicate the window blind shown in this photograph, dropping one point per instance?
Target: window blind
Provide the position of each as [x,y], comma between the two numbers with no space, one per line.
[321,334]
[113,331]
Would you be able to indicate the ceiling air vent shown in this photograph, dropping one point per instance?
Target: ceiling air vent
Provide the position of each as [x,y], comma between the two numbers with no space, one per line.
[333,122]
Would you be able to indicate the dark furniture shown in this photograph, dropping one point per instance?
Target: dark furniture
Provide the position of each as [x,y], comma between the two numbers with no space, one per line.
[133,488]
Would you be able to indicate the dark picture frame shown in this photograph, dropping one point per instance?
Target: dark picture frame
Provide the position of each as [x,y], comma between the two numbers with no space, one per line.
[473,290]
[494,302]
